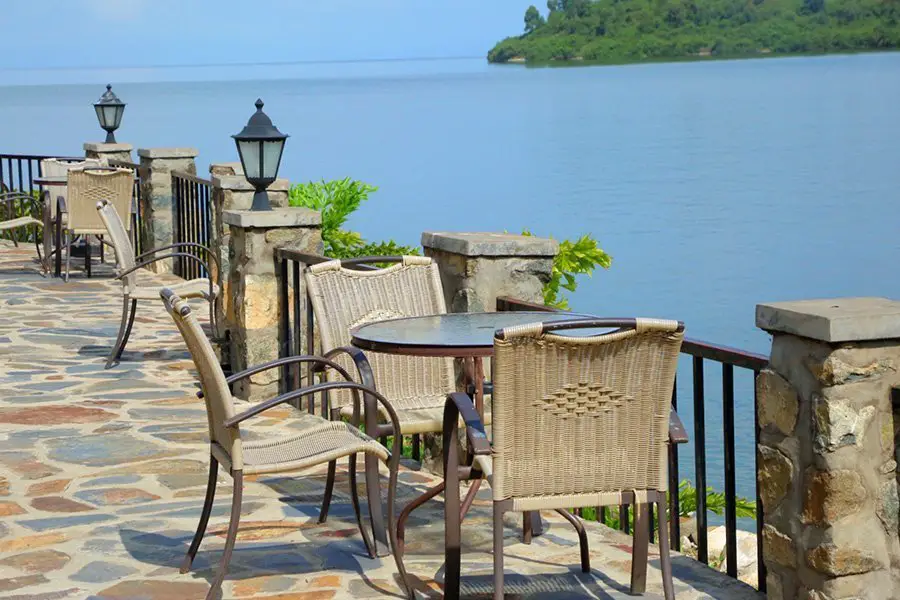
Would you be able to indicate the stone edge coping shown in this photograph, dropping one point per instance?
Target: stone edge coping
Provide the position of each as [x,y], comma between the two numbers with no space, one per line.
[168,152]
[104,147]
[833,320]
[239,183]
[272,219]
[489,244]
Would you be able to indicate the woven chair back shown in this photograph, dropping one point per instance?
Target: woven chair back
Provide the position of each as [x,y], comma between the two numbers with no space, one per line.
[216,393]
[343,299]
[55,167]
[582,419]
[87,187]
[121,241]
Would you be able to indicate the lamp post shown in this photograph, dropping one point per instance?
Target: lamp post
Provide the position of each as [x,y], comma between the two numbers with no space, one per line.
[260,145]
[109,112]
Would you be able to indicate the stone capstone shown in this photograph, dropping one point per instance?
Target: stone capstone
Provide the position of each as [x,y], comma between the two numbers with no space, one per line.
[778,402]
[774,476]
[833,320]
[832,495]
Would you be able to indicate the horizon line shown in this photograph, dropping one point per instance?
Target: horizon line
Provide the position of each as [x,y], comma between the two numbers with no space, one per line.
[276,63]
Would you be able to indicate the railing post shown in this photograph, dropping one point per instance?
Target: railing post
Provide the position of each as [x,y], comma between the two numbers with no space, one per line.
[157,207]
[108,152]
[476,269]
[827,468]
[253,310]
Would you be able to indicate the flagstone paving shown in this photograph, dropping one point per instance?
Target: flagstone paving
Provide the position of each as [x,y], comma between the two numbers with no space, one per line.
[102,474]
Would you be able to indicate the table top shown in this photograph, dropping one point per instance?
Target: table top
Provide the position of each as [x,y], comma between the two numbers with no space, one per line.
[459,335]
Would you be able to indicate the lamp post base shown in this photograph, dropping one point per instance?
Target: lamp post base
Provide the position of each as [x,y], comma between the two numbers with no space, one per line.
[110,137]
[261,200]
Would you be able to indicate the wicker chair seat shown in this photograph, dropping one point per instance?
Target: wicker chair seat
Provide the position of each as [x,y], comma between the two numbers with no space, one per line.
[195,288]
[420,420]
[19,222]
[324,442]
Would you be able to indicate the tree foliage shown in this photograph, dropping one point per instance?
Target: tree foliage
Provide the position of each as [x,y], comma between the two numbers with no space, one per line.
[621,31]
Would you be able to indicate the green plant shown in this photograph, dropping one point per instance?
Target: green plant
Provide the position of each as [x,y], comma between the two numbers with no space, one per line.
[580,257]
[337,200]
[715,502]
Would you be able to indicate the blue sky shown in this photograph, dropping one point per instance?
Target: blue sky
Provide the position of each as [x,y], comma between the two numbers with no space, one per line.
[87,34]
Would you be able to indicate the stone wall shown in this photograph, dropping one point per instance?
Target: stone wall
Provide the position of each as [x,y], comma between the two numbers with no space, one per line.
[827,455]
[107,152]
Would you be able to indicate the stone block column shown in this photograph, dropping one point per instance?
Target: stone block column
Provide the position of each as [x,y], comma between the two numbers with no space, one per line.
[827,455]
[253,311]
[157,203]
[476,269]
[107,152]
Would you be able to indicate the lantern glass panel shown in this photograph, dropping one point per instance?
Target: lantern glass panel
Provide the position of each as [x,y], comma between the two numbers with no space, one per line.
[249,151]
[272,157]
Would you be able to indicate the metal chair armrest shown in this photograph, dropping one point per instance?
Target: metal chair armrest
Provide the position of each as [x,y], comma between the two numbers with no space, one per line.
[677,432]
[206,249]
[459,404]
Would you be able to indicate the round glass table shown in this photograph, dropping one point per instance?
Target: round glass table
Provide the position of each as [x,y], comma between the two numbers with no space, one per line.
[467,336]
[458,335]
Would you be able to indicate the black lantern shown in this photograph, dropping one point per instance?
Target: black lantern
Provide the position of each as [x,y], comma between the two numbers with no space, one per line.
[109,112]
[260,145]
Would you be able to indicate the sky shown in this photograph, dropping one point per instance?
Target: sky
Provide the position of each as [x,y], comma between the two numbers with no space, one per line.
[66,39]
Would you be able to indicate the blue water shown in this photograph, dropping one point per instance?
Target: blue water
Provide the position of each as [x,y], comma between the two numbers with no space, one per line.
[714,185]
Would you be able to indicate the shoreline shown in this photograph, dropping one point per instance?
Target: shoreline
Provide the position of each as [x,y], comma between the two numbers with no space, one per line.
[581,62]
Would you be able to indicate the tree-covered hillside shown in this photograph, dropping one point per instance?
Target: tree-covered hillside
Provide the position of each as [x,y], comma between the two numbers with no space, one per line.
[630,30]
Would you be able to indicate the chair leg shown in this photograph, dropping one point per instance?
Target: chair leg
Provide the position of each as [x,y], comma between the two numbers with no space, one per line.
[527,527]
[665,558]
[394,466]
[124,332]
[452,518]
[407,510]
[231,535]
[639,549]
[329,490]
[204,515]
[68,253]
[376,513]
[87,255]
[498,552]
[100,240]
[582,539]
[354,498]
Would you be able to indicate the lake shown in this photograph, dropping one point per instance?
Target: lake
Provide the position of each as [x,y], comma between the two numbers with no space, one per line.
[714,185]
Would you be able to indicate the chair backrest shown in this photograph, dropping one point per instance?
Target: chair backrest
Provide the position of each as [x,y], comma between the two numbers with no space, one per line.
[216,393]
[582,418]
[121,241]
[343,299]
[57,167]
[89,186]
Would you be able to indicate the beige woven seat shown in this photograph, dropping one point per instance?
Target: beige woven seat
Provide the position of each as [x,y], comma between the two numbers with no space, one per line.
[19,210]
[128,266]
[323,441]
[578,422]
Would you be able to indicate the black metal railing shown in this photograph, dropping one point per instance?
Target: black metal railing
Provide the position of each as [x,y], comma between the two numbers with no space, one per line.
[193,220]
[17,171]
[136,221]
[729,359]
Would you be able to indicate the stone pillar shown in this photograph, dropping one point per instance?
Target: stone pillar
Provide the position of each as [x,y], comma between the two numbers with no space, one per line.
[827,454]
[476,268]
[157,204]
[106,152]
[252,315]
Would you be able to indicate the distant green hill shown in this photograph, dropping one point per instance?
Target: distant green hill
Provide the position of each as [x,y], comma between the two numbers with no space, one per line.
[617,31]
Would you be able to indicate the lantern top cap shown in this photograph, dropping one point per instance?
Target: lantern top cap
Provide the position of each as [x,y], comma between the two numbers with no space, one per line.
[260,127]
[109,97]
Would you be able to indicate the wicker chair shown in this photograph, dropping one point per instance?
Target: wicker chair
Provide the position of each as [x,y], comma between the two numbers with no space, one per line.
[57,167]
[316,445]
[129,264]
[603,400]
[19,210]
[77,216]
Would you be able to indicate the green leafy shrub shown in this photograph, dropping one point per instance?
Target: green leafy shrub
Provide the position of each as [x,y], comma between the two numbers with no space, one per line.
[580,257]
[715,502]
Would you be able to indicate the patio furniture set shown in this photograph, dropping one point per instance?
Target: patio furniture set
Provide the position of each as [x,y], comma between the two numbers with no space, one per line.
[579,412]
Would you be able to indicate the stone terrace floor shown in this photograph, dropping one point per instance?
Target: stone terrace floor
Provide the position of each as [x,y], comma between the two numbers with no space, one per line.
[102,474]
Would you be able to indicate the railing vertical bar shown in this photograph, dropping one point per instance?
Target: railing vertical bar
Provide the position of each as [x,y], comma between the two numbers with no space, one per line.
[298,320]
[652,514]
[730,491]
[192,224]
[1,172]
[700,459]
[602,514]
[310,345]
[674,502]
[284,321]
[22,186]
[760,562]
[416,447]
[11,174]
[31,185]
[624,520]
